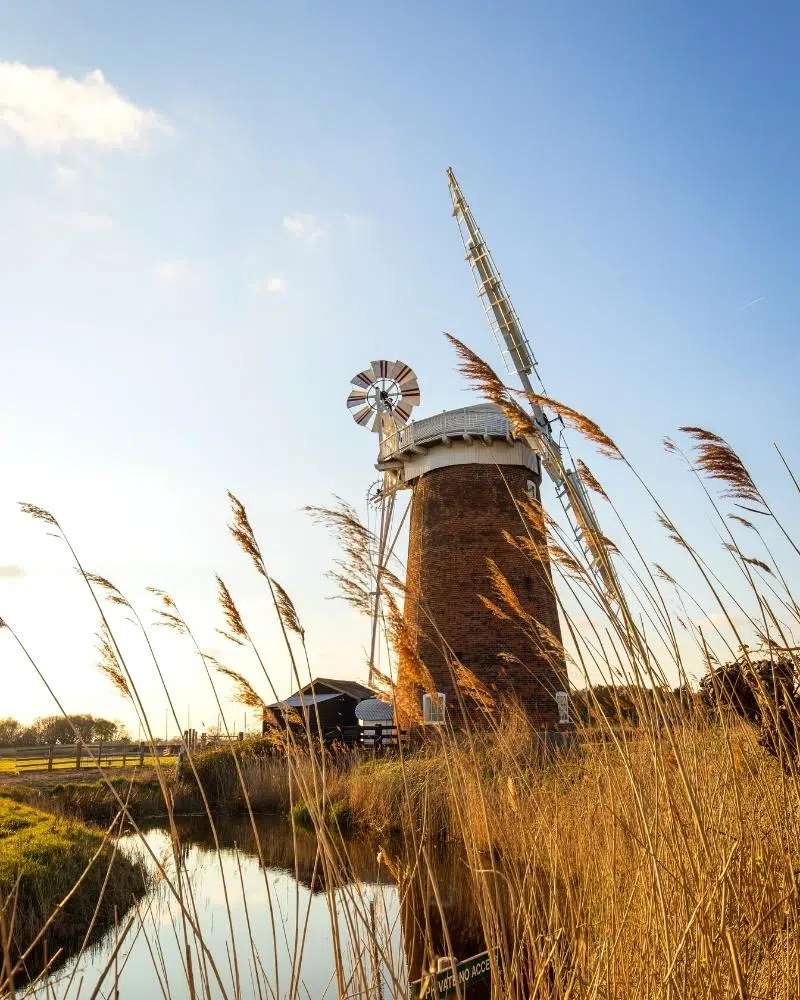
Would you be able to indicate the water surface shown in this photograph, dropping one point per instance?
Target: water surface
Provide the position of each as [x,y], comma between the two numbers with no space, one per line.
[263,931]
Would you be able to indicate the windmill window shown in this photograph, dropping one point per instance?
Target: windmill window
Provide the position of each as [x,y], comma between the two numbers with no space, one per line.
[433,708]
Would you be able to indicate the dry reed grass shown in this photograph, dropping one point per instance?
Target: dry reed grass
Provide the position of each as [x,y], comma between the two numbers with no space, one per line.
[660,861]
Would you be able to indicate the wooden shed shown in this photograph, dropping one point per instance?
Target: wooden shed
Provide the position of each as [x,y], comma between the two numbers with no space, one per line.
[329,701]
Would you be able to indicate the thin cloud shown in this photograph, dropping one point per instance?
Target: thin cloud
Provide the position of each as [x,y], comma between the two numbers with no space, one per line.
[46,111]
[173,272]
[274,285]
[753,302]
[91,222]
[11,572]
[356,225]
[64,176]
[304,226]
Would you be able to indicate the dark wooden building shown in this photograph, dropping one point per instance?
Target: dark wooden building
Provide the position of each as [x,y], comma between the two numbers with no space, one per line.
[329,702]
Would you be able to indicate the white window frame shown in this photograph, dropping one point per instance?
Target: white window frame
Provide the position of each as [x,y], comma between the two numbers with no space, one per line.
[434,709]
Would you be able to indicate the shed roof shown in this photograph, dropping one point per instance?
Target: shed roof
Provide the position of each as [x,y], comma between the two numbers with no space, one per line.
[301,700]
[374,710]
[351,688]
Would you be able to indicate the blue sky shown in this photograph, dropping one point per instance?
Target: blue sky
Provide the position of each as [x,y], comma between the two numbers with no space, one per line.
[247,204]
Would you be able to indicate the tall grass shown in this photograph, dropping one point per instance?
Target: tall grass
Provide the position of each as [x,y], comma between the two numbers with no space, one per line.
[659,859]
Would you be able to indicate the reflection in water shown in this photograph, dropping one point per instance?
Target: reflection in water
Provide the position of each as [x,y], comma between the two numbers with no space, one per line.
[264,916]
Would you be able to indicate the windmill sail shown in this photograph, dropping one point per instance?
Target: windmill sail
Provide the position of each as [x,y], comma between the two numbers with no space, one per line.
[513,343]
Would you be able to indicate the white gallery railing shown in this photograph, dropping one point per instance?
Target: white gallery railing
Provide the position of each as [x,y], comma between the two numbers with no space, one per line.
[451,423]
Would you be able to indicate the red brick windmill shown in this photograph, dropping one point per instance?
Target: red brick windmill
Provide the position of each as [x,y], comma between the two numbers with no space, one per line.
[467,474]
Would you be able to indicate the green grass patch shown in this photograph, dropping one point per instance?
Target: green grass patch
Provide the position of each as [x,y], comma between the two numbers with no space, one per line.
[42,857]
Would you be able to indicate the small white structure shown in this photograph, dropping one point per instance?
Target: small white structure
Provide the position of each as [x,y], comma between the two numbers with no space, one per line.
[373,713]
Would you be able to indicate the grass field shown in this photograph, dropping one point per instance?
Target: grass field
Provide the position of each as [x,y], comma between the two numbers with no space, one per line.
[8,765]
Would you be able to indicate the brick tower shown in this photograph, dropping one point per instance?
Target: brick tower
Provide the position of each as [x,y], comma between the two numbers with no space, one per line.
[466,473]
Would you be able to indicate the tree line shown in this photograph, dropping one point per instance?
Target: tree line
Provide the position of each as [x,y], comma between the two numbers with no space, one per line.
[762,690]
[58,729]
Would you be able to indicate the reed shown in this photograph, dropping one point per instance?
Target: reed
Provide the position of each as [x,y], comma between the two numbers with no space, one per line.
[659,858]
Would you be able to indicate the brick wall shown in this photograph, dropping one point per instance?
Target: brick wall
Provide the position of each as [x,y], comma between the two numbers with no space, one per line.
[457,518]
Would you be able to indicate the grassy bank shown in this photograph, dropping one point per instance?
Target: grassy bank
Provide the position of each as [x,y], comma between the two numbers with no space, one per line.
[57,874]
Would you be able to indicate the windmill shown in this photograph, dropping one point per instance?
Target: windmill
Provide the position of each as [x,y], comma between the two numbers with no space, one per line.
[516,351]
[382,400]
[466,473]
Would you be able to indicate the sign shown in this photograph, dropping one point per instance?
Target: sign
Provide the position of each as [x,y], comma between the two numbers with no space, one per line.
[447,982]
[562,700]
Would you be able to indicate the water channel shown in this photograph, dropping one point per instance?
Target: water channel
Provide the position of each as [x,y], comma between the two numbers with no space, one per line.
[266,931]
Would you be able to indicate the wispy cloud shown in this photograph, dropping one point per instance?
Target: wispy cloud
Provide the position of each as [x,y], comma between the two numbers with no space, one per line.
[47,111]
[356,225]
[64,176]
[752,302]
[91,222]
[274,285]
[11,572]
[304,226]
[173,272]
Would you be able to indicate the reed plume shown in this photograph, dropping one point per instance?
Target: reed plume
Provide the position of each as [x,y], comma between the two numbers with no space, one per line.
[236,631]
[243,534]
[354,573]
[715,457]
[481,375]
[167,612]
[244,692]
[167,619]
[568,563]
[486,381]
[579,422]
[109,664]
[672,531]
[504,592]
[493,608]
[589,480]
[39,513]
[113,593]
[750,560]
[474,689]
[663,574]
[404,643]
[287,610]
[162,595]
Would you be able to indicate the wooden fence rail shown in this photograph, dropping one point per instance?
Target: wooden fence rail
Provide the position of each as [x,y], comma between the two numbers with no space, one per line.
[82,755]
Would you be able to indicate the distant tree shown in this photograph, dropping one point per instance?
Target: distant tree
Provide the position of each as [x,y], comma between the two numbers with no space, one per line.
[10,731]
[58,729]
[765,692]
[108,731]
